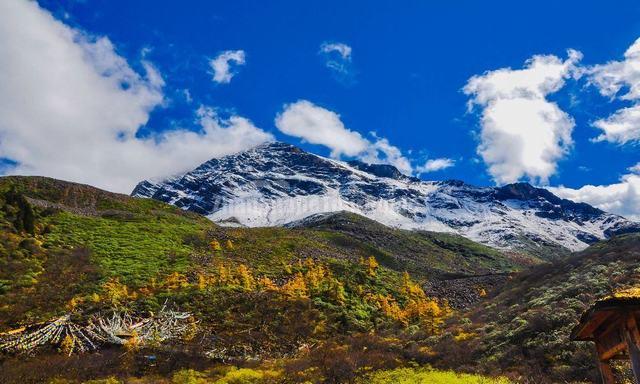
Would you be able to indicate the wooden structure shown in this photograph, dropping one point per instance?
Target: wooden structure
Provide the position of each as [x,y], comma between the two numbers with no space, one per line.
[612,324]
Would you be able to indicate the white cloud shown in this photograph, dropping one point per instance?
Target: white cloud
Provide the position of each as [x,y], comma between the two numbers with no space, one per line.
[187,96]
[318,125]
[222,65]
[337,58]
[434,165]
[342,49]
[622,198]
[612,79]
[635,169]
[70,108]
[614,76]
[381,151]
[522,133]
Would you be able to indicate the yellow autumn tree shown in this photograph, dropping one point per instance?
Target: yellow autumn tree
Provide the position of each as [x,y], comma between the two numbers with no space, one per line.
[67,345]
[74,302]
[337,292]
[225,276]
[246,278]
[296,287]
[116,293]
[371,264]
[428,313]
[229,245]
[315,275]
[175,281]
[203,281]
[215,245]
[409,288]
[421,309]
[266,284]
[390,308]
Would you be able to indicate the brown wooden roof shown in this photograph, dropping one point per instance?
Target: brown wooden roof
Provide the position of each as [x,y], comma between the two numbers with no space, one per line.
[602,311]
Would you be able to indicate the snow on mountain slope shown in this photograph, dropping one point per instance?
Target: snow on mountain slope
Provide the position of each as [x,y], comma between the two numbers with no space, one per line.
[275,184]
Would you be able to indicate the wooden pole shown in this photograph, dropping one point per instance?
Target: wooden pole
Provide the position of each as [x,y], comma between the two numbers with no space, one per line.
[606,373]
[633,341]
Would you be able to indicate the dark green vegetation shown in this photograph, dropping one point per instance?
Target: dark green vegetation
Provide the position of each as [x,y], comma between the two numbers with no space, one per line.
[313,300]
[60,240]
[525,328]
[541,250]
[425,254]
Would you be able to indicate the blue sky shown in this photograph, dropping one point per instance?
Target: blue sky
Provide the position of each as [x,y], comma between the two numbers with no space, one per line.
[403,79]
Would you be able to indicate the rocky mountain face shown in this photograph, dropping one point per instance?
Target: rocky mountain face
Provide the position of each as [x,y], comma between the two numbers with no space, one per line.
[277,184]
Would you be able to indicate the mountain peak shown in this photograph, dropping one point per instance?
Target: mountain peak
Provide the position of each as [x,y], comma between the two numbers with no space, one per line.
[277,146]
[522,190]
[278,183]
[380,170]
[526,191]
[296,156]
[376,169]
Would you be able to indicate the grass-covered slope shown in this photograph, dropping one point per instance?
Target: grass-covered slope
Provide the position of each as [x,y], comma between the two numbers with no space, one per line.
[428,254]
[271,376]
[425,375]
[525,329]
[315,300]
[128,238]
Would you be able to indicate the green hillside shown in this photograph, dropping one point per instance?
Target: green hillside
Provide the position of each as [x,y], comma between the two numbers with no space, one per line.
[428,254]
[317,305]
[325,302]
[525,328]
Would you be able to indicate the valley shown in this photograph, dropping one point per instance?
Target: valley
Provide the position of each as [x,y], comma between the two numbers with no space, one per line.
[335,298]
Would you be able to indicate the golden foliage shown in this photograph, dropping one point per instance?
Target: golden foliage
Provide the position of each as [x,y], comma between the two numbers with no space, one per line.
[175,281]
[427,313]
[133,343]
[418,308]
[390,308]
[225,277]
[215,246]
[371,265]
[247,281]
[411,289]
[628,293]
[67,345]
[315,274]
[462,336]
[192,331]
[337,292]
[296,287]
[73,303]
[203,282]
[116,293]
[266,284]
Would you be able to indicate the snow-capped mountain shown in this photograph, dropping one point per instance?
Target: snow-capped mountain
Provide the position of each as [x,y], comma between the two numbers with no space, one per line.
[277,184]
